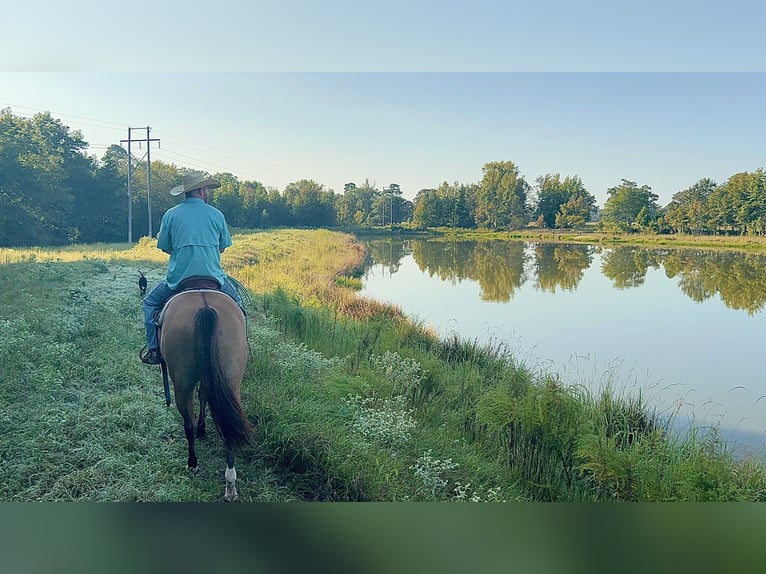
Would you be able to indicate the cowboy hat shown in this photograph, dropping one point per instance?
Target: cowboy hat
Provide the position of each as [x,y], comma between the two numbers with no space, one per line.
[194,180]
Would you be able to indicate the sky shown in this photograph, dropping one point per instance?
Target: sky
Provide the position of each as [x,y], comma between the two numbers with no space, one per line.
[415,93]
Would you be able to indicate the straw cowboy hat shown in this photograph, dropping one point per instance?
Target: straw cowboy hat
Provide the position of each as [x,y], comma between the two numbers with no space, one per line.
[194,180]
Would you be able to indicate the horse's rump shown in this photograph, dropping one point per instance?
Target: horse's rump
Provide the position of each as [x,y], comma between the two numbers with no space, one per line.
[178,335]
[203,339]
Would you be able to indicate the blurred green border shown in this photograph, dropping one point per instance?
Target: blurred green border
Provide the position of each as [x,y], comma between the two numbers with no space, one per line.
[381,537]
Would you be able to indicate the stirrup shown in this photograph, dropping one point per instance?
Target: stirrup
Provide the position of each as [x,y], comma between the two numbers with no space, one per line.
[149,356]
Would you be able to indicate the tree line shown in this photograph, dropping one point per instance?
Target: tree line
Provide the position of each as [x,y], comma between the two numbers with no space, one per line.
[53,193]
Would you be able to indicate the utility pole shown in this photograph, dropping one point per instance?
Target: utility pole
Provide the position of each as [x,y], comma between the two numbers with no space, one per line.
[148,141]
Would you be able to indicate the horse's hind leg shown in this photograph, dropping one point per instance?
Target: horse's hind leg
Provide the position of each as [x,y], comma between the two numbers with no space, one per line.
[201,425]
[231,477]
[186,408]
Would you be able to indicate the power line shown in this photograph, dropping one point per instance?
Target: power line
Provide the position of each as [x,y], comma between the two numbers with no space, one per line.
[110,125]
[200,146]
[197,160]
[166,135]
[121,126]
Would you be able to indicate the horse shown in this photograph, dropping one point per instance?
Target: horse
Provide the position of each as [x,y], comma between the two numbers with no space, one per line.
[203,342]
[142,283]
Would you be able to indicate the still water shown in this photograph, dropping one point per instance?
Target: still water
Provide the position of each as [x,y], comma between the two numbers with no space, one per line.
[684,327]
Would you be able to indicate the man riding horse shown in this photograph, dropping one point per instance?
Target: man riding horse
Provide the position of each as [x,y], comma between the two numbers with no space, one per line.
[194,234]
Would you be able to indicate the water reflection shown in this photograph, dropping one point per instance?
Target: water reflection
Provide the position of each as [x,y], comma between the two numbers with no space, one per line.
[561,266]
[502,267]
[738,278]
[498,266]
[627,266]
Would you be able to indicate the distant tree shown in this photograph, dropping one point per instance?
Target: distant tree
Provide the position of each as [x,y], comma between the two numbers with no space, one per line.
[427,212]
[102,200]
[629,207]
[255,200]
[456,205]
[562,203]
[355,205]
[550,195]
[576,211]
[502,196]
[227,198]
[310,204]
[747,193]
[278,211]
[106,217]
[42,169]
[688,211]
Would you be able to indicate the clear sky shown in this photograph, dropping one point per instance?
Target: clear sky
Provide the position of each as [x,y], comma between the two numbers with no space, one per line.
[414,93]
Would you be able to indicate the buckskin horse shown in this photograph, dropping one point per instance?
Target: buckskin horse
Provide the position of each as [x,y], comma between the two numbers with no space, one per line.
[203,342]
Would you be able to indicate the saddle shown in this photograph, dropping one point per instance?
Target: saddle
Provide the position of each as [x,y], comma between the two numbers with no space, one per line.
[198,282]
[193,283]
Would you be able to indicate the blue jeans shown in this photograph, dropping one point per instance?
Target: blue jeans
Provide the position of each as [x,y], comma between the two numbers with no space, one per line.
[156,299]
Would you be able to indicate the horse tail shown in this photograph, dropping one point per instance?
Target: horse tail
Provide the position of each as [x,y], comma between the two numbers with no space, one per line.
[225,407]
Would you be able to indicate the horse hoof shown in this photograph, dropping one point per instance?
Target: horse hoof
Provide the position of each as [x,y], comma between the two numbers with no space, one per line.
[193,469]
[228,498]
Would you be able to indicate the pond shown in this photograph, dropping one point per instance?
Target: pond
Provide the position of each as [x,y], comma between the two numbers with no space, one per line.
[684,327]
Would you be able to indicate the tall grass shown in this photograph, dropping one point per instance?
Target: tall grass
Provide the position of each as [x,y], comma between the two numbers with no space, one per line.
[351,401]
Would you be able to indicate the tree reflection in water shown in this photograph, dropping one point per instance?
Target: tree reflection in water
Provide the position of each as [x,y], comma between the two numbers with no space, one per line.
[502,267]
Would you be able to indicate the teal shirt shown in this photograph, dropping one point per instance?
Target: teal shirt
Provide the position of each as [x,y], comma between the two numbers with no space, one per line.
[194,233]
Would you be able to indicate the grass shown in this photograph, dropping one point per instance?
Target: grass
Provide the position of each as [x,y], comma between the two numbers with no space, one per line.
[351,401]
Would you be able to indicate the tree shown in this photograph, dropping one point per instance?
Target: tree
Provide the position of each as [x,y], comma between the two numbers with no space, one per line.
[576,211]
[255,201]
[502,196]
[310,204]
[227,198]
[563,203]
[42,168]
[687,212]
[427,209]
[629,207]
[355,206]
[551,194]
[751,212]
[102,196]
[402,209]
[278,212]
[456,205]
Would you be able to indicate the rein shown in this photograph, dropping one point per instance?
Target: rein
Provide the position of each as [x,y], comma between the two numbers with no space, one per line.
[165,382]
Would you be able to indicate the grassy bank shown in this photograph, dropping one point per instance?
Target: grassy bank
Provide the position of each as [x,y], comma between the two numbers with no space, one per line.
[350,400]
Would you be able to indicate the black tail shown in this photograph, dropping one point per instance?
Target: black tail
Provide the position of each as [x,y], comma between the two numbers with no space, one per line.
[226,409]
